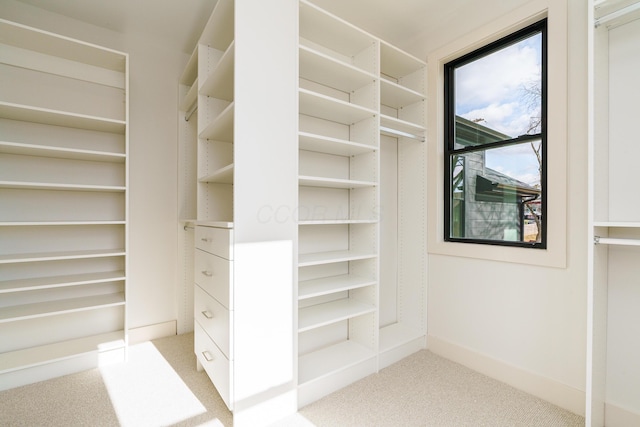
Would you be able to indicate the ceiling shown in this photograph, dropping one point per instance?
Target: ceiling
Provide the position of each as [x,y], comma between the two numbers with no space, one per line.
[417,26]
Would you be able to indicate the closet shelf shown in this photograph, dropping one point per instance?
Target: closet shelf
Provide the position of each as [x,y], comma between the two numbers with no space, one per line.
[221,128]
[55,223]
[316,181]
[329,360]
[331,312]
[219,30]
[397,96]
[7,286]
[190,98]
[617,224]
[190,73]
[60,152]
[396,63]
[319,258]
[328,71]
[336,221]
[60,118]
[615,241]
[612,13]
[331,32]
[52,308]
[332,109]
[21,359]
[58,256]
[219,84]
[32,39]
[221,176]
[329,285]
[328,145]
[19,185]
[396,127]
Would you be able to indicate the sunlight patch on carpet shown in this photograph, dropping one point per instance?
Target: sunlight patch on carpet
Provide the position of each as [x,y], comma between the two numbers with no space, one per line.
[146,391]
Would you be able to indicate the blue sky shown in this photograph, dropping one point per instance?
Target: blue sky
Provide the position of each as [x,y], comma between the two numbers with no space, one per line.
[492,92]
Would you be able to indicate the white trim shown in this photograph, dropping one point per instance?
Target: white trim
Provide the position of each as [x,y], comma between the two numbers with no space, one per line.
[557,110]
[552,391]
[616,416]
[152,332]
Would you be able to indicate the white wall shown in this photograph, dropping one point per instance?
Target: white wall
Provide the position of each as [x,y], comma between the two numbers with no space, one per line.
[524,324]
[154,72]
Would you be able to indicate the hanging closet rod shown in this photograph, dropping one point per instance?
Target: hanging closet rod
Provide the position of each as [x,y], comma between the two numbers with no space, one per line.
[190,113]
[617,14]
[613,241]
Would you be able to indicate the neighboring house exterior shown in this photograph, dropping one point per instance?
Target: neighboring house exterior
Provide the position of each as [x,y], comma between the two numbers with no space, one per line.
[488,204]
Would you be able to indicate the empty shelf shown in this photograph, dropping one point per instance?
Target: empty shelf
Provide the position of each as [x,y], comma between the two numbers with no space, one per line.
[60,118]
[328,285]
[328,360]
[331,257]
[58,256]
[332,109]
[331,312]
[316,181]
[60,152]
[60,281]
[50,308]
[323,69]
[221,176]
[328,145]
[221,128]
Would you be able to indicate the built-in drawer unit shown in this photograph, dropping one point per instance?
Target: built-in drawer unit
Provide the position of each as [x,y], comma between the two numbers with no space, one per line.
[213,306]
[217,366]
[216,241]
[215,319]
[215,276]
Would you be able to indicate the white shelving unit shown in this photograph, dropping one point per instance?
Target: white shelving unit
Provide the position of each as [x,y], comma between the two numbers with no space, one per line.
[614,220]
[239,167]
[63,188]
[338,196]
[355,222]
[403,200]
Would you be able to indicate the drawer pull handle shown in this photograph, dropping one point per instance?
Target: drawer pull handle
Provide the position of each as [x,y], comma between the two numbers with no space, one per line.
[206,239]
[207,273]
[208,356]
[207,314]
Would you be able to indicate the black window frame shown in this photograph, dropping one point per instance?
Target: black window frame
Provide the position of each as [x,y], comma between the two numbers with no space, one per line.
[450,136]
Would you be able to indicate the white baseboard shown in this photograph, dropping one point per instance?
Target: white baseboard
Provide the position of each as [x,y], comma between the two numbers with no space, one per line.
[396,354]
[552,391]
[57,368]
[152,332]
[615,416]
[84,361]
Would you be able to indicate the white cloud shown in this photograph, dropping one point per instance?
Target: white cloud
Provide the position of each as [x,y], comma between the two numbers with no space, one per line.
[505,118]
[497,78]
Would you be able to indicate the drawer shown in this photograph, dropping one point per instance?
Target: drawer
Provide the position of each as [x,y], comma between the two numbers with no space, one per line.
[217,241]
[218,367]
[215,319]
[215,276]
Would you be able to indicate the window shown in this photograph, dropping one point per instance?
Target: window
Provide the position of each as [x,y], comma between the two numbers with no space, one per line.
[495,142]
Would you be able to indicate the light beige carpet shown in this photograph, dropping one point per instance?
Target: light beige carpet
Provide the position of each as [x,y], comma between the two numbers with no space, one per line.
[160,386]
